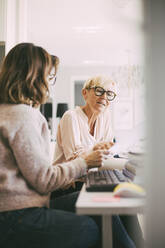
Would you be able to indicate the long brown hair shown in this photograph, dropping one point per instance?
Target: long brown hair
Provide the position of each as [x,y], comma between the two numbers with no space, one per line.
[24,75]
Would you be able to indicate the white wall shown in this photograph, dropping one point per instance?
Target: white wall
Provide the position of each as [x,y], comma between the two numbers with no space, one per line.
[2,20]
[13,22]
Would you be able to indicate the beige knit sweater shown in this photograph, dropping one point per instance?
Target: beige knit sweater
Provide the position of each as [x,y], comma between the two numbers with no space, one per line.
[26,174]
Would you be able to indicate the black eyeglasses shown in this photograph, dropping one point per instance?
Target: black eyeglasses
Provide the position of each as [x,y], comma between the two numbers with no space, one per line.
[99,91]
[52,79]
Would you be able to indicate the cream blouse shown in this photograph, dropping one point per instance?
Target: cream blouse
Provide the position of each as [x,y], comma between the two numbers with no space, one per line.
[73,134]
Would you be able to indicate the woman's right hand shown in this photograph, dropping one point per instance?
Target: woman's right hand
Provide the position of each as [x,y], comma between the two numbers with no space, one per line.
[95,158]
[103,146]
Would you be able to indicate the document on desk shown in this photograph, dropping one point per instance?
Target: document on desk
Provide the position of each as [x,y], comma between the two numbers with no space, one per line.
[105,198]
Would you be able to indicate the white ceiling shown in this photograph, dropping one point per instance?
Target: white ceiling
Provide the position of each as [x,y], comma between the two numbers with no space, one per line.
[88,32]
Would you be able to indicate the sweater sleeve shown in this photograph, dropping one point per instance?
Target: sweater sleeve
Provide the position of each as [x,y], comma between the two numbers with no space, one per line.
[30,147]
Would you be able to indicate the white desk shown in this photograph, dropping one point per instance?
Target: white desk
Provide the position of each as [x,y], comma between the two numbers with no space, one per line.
[102,203]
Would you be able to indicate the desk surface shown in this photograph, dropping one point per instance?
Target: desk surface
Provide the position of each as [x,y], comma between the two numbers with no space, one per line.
[103,203]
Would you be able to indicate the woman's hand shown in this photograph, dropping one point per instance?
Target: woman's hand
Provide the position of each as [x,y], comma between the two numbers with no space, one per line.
[103,146]
[95,158]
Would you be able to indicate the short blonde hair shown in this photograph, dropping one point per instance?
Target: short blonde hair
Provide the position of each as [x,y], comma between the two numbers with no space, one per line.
[101,81]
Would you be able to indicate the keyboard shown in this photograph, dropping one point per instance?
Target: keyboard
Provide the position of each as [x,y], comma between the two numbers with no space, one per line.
[105,180]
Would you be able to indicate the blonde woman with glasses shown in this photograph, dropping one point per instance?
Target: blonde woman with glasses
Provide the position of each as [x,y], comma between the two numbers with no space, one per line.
[87,127]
